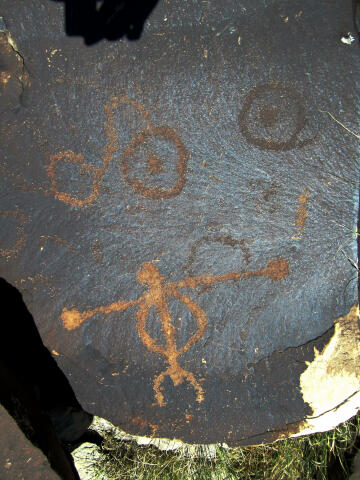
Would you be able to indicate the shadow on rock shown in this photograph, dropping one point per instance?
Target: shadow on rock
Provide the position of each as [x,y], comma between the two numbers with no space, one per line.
[34,390]
[110,19]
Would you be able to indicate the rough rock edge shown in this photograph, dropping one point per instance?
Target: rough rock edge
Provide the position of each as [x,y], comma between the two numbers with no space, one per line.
[332,375]
[86,455]
[331,382]
[23,78]
[102,426]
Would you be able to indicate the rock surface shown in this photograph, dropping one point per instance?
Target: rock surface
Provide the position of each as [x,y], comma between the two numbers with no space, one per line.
[19,459]
[180,213]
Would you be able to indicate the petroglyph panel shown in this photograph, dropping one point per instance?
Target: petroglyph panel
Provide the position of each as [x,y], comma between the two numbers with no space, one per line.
[183,226]
[157,297]
[153,164]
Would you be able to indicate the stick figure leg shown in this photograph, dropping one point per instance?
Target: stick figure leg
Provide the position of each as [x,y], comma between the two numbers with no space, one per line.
[158,381]
[196,385]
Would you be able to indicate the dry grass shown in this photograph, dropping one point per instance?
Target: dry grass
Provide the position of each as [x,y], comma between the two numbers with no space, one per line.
[305,458]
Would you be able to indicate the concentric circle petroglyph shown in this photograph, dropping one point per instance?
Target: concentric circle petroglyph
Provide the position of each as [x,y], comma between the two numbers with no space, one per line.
[273,117]
[141,186]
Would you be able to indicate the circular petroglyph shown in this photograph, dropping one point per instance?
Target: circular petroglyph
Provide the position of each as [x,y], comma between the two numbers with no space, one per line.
[70,157]
[154,163]
[273,118]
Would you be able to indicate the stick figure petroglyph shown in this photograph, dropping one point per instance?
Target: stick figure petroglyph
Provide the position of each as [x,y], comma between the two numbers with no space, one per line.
[156,295]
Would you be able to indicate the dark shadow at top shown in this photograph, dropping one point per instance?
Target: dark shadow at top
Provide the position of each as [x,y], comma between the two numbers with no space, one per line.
[356,12]
[110,19]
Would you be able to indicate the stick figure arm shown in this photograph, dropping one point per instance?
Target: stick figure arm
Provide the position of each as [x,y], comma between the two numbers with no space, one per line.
[206,279]
[72,319]
[275,270]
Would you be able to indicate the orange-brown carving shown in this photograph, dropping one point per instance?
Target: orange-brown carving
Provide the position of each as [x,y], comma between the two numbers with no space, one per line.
[71,157]
[139,186]
[142,423]
[154,163]
[98,173]
[301,214]
[208,240]
[156,295]
[21,219]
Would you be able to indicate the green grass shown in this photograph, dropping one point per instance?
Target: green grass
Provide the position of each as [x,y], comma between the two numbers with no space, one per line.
[303,458]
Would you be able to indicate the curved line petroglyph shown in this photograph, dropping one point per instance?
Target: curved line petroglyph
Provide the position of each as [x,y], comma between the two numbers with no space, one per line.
[222,239]
[57,240]
[302,211]
[156,295]
[154,162]
[70,157]
[21,219]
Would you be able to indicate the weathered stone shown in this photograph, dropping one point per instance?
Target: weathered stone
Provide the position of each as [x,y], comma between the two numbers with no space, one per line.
[85,458]
[14,78]
[180,214]
[19,459]
[35,392]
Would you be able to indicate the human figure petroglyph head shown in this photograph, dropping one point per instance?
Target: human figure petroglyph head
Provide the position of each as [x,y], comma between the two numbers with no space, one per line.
[72,319]
[149,274]
[277,269]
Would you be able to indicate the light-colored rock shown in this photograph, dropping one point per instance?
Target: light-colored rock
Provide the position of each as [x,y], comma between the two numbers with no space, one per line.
[102,426]
[331,382]
[85,459]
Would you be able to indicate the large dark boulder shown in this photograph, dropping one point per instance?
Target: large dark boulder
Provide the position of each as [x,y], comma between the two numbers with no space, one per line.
[180,213]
